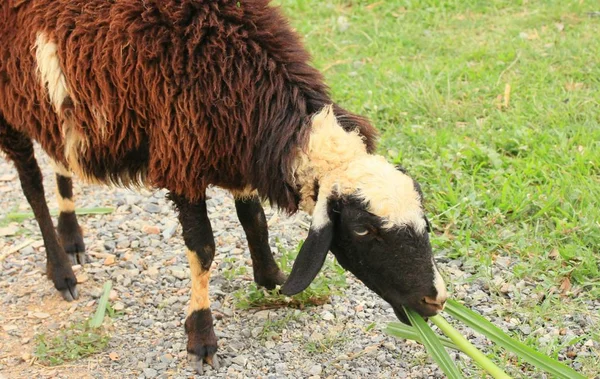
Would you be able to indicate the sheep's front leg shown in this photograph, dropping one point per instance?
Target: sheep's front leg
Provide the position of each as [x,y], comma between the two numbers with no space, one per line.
[199,240]
[69,230]
[252,217]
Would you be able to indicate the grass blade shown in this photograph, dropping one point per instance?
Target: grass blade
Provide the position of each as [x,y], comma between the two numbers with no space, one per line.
[20,216]
[467,348]
[495,334]
[96,321]
[399,330]
[433,345]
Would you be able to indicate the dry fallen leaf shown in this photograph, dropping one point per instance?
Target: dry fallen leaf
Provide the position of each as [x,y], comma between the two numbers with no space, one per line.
[571,86]
[560,26]
[565,286]
[113,356]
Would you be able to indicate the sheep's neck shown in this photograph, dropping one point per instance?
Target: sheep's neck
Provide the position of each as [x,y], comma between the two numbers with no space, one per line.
[325,158]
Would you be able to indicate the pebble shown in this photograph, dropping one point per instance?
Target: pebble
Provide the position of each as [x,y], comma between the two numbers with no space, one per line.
[150,373]
[180,274]
[315,370]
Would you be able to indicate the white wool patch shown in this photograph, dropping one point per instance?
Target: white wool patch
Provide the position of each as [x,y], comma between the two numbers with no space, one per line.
[53,79]
[339,162]
[60,169]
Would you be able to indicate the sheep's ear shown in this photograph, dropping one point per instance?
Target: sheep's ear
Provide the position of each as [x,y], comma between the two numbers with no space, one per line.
[313,252]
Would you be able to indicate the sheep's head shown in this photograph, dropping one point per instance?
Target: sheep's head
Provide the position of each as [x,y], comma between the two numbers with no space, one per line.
[370,216]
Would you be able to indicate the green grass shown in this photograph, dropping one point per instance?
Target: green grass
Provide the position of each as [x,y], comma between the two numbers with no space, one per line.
[71,344]
[520,181]
[330,281]
[80,340]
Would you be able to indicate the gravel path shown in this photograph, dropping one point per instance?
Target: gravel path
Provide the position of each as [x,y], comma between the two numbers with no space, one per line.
[139,248]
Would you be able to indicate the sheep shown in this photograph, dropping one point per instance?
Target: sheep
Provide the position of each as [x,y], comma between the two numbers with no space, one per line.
[183,94]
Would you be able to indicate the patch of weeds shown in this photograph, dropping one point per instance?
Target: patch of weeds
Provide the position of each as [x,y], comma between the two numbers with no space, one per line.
[328,343]
[330,281]
[71,344]
[78,341]
[273,328]
[229,269]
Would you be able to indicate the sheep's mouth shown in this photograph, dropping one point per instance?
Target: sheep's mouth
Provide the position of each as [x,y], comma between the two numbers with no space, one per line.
[401,315]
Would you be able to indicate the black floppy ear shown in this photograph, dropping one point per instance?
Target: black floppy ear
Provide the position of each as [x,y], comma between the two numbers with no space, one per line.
[313,252]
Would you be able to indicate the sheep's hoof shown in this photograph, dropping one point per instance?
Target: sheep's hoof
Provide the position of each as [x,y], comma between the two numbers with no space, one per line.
[70,294]
[72,241]
[64,281]
[78,258]
[202,341]
[198,363]
[271,279]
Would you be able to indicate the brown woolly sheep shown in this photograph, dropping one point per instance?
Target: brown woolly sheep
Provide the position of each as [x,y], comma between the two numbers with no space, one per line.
[183,94]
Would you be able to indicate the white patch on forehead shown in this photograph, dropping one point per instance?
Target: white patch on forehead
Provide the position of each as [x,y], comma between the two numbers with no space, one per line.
[390,193]
[339,161]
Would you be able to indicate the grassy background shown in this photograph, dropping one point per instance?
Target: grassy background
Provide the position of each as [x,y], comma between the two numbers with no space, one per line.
[513,176]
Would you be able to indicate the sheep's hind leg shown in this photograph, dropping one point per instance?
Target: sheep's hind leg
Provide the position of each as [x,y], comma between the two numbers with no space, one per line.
[253,220]
[200,243]
[69,230]
[19,149]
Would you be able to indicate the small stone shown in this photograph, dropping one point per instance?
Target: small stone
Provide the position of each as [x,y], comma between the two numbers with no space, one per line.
[118,306]
[327,316]
[589,343]
[152,208]
[123,244]
[269,344]
[170,229]
[179,274]
[315,370]
[82,278]
[525,329]
[264,315]
[240,360]
[150,372]
[113,295]
[109,260]
[26,357]
[152,271]
[9,328]
[151,229]
[280,368]
[41,315]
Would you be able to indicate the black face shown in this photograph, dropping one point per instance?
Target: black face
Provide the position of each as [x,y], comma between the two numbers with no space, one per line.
[396,263]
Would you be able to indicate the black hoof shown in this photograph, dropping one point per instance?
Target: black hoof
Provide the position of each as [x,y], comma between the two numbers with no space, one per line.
[64,281]
[197,363]
[70,294]
[77,258]
[71,238]
[202,341]
[271,279]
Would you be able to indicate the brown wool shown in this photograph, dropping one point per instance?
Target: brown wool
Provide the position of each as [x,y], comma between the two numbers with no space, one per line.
[172,94]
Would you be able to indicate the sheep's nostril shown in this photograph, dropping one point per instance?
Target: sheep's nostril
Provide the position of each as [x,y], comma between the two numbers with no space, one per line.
[438,302]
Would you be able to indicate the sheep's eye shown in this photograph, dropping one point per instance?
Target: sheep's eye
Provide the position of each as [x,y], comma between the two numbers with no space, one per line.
[361,232]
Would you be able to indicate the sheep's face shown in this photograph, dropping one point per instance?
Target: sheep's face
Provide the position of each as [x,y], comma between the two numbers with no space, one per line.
[394,261]
[371,218]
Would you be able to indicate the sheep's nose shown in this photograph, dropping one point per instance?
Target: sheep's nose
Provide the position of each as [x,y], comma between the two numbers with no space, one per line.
[436,303]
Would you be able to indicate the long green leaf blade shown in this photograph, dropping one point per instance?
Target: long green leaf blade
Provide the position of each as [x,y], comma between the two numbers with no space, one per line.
[483,326]
[96,321]
[468,348]
[399,330]
[433,345]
